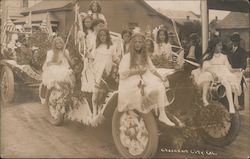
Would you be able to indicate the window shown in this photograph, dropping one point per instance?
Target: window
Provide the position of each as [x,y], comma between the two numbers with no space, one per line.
[26,3]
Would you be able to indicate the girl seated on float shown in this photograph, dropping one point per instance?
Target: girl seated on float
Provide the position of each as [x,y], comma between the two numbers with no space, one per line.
[216,65]
[141,86]
[56,67]
[105,58]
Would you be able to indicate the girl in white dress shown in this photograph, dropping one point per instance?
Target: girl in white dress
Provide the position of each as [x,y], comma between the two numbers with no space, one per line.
[105,57]
[56,67]
[141,86]
[88,72]
[163,47]
[95,11]
[216,64]
[87,77]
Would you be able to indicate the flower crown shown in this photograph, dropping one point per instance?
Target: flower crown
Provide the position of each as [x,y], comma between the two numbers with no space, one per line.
[157,29]
[95,1]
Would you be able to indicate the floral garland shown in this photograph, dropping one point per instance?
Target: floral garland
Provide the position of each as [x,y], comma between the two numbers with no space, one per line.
[133,133]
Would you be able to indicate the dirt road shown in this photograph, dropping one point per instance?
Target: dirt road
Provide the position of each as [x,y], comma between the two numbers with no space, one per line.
[26,133]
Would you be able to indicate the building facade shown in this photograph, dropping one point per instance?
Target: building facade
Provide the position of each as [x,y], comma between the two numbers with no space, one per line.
[119,13]
[235,22]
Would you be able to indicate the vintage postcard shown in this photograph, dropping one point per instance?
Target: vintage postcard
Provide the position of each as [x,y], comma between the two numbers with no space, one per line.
[124,79]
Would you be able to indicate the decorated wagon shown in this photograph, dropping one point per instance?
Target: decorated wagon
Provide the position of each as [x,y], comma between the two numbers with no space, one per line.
[136,134]
[22,56]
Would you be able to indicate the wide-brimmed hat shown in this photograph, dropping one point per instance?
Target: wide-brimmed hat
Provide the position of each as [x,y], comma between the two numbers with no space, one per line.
[235,37]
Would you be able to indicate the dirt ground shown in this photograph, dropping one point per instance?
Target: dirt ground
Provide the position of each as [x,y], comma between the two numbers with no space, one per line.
[26,133]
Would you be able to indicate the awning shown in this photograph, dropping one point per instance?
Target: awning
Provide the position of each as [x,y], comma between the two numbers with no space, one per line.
[36,18]
[229,5]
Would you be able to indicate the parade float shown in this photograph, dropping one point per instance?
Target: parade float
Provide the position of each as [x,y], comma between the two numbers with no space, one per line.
[136,134]
[23,52]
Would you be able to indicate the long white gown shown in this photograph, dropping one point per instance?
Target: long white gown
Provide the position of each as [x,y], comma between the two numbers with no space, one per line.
[87,78]
[219,65]
[60,72]
[130,96]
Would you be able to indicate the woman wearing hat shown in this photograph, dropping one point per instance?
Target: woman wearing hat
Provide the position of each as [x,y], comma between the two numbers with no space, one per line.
[194,52]
[238,59]
[141,83]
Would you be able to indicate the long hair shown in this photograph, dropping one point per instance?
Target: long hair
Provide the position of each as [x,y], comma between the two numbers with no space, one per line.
[151,49]
[209,53]
[108,40]
[99,8]
[85,29]
[55,49]
[133,52]
[158,36]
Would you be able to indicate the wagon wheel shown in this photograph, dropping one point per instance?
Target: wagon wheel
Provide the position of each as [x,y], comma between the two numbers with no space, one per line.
[135,134]
[224,133]
[7,84]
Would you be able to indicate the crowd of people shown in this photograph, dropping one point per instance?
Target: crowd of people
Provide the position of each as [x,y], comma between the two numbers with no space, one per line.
[141,87]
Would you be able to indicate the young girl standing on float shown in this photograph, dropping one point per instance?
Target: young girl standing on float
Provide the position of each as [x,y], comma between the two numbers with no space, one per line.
[95,11]
[88,73]
[105,57]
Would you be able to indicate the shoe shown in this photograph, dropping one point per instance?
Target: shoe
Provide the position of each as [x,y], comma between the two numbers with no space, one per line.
[166,121]
[205,104]
[179,123]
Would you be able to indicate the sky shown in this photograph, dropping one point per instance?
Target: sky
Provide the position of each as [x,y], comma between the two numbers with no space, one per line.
[186,5]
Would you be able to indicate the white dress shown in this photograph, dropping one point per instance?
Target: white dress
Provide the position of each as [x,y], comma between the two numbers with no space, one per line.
[87,78]
[163,49]
[219,65]
[57,72]
[130,96]
[104,58]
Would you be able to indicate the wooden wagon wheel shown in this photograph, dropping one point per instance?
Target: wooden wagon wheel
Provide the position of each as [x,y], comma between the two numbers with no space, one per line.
[7,84]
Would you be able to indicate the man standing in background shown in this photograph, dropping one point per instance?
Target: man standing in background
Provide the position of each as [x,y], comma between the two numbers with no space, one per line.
[238,59]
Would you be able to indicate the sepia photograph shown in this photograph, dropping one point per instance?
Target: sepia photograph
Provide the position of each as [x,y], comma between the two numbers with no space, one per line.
[125,79]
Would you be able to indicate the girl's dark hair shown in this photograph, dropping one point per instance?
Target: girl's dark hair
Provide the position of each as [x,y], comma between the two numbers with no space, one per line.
[108,40]
[99,8]
[126,31]
[165,33]
[85,29]
[209,53]
[97,21]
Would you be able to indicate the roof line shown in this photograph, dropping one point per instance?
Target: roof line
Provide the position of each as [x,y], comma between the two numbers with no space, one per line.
[153,10]
[52,9]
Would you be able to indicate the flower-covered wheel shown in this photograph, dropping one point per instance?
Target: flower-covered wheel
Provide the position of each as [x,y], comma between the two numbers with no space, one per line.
[7,84]
[54,102]
[222,129]
[135,134]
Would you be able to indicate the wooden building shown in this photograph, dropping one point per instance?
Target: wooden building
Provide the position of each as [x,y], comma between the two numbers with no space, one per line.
[235,22]
[118,13]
